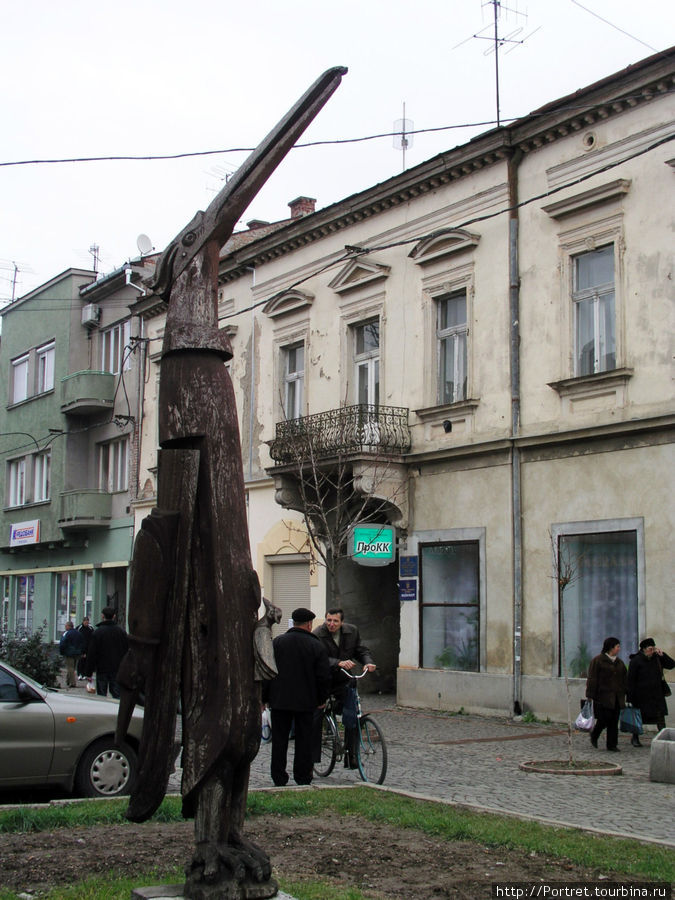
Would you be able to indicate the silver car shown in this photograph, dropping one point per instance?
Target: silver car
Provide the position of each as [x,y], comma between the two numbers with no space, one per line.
[63,738]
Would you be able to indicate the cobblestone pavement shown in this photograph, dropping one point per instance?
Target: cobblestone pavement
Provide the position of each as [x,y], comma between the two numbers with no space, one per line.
[473,761]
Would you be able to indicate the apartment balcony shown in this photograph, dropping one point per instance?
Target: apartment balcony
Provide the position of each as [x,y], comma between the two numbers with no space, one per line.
[339,456]
[364,429]
[87,393]
[84,509]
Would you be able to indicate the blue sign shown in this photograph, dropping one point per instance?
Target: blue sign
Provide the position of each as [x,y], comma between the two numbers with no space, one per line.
[407,590]
[407,566]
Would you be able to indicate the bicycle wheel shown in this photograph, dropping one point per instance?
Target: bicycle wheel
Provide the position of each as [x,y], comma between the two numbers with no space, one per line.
[372,751]
[329,745]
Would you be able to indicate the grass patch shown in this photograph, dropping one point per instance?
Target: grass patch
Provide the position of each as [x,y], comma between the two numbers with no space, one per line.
[450,823]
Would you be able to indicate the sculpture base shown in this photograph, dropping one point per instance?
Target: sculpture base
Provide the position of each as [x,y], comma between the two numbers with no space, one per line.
[176,892]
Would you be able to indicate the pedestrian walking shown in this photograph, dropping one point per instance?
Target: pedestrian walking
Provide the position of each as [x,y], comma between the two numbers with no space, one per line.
[107,647]
[647,689]
[71,646]
[606,687]
[86,630]
[301,686]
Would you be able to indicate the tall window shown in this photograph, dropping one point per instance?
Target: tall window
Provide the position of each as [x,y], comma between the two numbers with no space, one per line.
[16,482]
[451,333]
[594,317]
[88,607]
[19,379]
[115,348]
[113,465]
[41,476]
[367,362]
[25,590]
[65,601]
[450,608]
[4,612]
[45,368]
[602,595]
[294,380]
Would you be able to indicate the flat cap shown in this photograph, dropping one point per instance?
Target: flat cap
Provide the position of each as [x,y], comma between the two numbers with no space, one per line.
[302,615]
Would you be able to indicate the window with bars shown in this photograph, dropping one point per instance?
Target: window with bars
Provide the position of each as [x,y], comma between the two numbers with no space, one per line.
[113,465]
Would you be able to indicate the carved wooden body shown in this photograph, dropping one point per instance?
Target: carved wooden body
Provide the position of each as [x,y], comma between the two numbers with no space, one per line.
[194,593]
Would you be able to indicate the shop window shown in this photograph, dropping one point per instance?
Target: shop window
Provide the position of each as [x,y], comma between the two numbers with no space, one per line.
[450,608]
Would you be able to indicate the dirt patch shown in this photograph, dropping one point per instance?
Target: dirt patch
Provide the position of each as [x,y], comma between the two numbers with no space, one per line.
[382,861]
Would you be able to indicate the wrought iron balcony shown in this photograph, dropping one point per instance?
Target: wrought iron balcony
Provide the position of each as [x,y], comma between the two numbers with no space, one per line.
[351,430]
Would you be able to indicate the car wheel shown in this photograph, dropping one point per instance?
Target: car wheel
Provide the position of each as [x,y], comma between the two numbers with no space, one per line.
[106,770]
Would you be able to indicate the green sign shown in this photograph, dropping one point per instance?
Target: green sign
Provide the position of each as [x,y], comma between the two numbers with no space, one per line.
[372,545]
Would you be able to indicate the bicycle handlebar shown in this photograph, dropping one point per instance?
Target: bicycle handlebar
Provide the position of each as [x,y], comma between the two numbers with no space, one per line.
[355,677]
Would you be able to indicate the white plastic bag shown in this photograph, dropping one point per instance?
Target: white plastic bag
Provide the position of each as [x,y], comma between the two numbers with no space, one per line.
[266,734]
[585,721]
[90,686]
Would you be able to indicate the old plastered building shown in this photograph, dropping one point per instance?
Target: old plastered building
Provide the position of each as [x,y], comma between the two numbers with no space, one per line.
[496,324]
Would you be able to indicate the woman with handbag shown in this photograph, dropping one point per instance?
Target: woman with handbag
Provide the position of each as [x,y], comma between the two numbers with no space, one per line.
[606,687]
[647,688]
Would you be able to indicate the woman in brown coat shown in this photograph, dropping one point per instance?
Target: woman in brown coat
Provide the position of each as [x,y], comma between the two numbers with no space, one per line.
[606,687]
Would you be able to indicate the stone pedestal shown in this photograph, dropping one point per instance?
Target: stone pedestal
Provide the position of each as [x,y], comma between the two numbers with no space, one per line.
[662,757]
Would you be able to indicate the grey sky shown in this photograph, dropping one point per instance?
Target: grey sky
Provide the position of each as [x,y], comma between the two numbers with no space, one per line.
[144,78]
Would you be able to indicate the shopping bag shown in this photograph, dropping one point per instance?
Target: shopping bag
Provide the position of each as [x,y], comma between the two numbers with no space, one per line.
[266,732]
[630,720]
[585,721]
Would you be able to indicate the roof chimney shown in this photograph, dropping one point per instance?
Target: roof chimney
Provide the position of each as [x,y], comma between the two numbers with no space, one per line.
[256,223]
[302,206]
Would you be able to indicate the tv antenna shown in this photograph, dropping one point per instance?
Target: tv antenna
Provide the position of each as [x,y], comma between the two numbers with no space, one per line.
[402,136]
[497,40]
[95,251]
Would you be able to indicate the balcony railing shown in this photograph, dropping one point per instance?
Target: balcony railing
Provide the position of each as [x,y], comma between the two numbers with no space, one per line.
[87,393]
[365,428]
[85,509]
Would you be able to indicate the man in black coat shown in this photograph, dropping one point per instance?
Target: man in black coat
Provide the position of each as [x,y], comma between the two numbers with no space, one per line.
[299,689]
[107,647]
[645,684]
[345,649]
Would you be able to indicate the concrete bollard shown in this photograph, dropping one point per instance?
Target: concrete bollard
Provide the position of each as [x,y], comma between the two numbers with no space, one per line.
[662,757]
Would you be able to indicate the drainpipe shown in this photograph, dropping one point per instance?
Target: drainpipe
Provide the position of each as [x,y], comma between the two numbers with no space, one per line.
[251,412]
[516,507]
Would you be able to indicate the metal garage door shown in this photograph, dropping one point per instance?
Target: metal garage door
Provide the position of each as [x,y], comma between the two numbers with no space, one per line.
[290,589]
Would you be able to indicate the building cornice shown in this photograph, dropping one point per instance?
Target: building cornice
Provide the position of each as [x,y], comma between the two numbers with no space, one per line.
[622,92]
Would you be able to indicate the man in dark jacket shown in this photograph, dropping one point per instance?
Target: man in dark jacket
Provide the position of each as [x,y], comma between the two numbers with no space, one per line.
[107,647]
[297,691]
[645,684]
[71,646]
[86,631]
[345,649]
[606,687]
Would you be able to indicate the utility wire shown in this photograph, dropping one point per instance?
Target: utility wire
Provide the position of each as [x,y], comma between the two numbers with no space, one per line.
[612,25]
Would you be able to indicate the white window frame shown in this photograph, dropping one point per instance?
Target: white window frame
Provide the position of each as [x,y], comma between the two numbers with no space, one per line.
[294,381]
[88,603]
[42,464]
[113,465]
[24,625]
[114,346]
[20,378]
[598,296]
[458,336]
[45,367]
[5,599]
[366,363]
[16,481]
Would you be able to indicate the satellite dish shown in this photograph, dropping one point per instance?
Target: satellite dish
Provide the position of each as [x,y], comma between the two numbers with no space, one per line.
[144,244]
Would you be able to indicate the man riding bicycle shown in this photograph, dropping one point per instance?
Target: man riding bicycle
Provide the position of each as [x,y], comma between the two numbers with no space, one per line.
[345,650]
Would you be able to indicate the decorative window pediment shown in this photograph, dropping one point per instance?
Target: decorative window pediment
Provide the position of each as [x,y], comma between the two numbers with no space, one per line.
[443,243]
[357,273]
[287,302]
[605,193]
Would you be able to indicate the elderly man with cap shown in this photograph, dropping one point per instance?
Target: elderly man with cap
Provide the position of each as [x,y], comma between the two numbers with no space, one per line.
[300,688]
[647,689]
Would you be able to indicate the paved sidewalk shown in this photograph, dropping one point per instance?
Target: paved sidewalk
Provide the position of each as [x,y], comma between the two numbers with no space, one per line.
[473,761]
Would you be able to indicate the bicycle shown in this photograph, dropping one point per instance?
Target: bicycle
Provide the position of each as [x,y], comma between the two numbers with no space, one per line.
[371,748]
